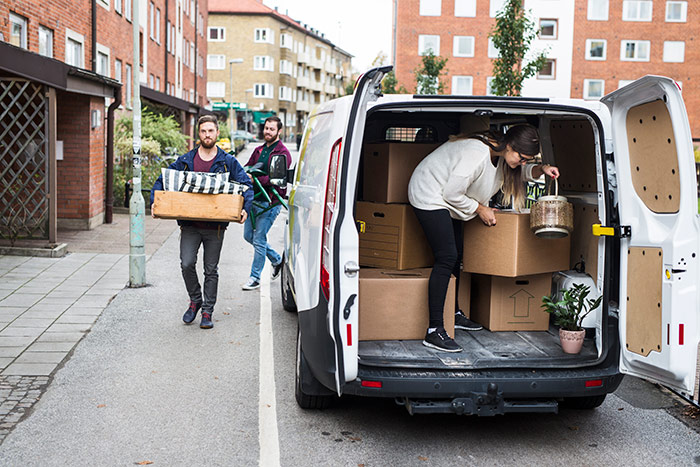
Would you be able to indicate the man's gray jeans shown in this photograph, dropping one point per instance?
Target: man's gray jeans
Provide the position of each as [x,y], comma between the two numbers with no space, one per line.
[190,240]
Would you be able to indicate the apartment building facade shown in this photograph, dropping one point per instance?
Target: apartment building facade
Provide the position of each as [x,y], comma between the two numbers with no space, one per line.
[593,46]
[75,60]
[267,63]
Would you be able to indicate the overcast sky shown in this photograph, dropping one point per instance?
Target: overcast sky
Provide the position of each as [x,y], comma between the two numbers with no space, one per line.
[360,27]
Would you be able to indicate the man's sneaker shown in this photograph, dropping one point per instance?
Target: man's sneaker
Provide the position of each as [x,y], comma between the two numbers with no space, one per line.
[276,271]
[206,321]
[252,284]
[462,322]
[440,340]
[191,312]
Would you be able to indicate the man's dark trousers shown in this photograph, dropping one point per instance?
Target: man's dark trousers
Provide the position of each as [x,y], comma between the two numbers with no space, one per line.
[190,240]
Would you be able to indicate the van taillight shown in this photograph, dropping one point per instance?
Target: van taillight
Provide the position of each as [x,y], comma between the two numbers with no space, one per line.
[594,383]
[328,210]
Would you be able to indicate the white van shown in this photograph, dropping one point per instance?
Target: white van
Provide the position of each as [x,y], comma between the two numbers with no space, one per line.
[627,158]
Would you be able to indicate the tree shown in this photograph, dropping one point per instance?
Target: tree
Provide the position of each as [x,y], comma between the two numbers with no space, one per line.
[428,74]
[512,35]
[389,84]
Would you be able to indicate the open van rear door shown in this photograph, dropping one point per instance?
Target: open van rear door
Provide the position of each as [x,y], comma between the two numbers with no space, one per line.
[659,253]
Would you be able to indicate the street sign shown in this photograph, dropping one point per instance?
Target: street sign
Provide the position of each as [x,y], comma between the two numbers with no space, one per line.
[229,105]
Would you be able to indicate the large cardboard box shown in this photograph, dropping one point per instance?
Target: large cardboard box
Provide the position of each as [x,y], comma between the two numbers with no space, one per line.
[394,304]
[392,237]
[388,168]
[510,249]
[197,206]
[510,303]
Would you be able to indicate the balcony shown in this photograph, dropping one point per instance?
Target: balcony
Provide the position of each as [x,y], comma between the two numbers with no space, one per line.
[315,85]
[330,68]
[303,106]
[303,58]
[329,89]
[316,63]
[303,82]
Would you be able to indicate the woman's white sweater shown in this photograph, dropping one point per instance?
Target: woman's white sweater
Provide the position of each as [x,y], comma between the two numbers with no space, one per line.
[458,176]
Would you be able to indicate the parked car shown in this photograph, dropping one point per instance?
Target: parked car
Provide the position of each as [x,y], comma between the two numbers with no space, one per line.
[244,135]
[626,163]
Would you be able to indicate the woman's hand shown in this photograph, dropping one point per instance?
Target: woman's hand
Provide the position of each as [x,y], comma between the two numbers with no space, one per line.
[550,170]
[487,215]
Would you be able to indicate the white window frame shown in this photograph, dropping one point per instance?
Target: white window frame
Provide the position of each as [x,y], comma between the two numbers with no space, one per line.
[455,46]
[285,93]
[556,28]
[158,25]
[262,91]
[23,36]
[216,89]
[118,6]
[627,6]
[586,87]
[216,62]
[495,6]
[118,69]
[489,80]
[624,82]
[151,81]
[553,75]
[592,13]
[220,33]
[127,9]
[104,51]
[684,11]
[286,41]
[263,63]
[191,56]
[421,44]
[589,44]
[158,83]
[263,36]
[80,39]
[48,34]
[668,52]
[285,67]
[152,20]
[492,51]
[636,58]
[430,8]
[104,4]
[457,78]
[465,8]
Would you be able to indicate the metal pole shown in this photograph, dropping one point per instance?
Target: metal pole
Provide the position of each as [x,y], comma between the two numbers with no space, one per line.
[230,99]
[137,251]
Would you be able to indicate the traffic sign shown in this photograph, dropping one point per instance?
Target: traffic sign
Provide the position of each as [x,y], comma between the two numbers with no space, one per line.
[229,105]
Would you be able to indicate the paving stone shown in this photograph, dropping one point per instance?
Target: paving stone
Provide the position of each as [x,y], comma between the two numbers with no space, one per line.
[76,327]
[67,318]
[11,351]
[29,369]
[85,311]
[60,337]
[17,299]
[4,362]
[93,301]
[15,331]
[15,341]
[45,314]
[50,347]
[49,306]
[24,322]
[41,357]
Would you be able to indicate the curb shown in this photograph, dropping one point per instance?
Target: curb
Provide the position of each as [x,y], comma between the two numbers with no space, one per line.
[49,251]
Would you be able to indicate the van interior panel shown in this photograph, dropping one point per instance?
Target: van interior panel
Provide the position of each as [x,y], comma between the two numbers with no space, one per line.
[644,282]
[573,145]
[653,156]
[584,245]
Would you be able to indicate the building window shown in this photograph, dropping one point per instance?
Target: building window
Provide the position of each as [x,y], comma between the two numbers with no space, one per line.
[286,41]
[129,76]
[598,10]
[489,86]
[151,81]
[676,12]
[152,18]
[216,62]
[465,8]
[548,71]
[430,7]
[45,42]
[118,70]
[596,49]
[18,30]
[636,10]
[674,51]
[463,46]
[216,89]
[158,83]
[191,56]
[634,51]
[127,9]
[263,63]
[158,25]
[493,51]
[285,67]
[262,90]
[74,48]
[548,29]
[264,35]
[216,34]
[118,6]
[285,93]
[462,85]
[427,43]
[495,6]
[593,88]
[102,63]
[624,82]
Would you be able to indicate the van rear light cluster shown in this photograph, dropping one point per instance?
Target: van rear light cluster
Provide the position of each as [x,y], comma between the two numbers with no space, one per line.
[328,211]
[594,383]
[372,384]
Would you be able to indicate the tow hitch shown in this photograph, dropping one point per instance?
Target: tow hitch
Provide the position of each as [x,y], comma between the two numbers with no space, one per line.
[484,404]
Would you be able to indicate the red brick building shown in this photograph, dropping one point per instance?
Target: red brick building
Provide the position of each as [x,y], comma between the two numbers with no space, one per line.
[71,61]
[593,46]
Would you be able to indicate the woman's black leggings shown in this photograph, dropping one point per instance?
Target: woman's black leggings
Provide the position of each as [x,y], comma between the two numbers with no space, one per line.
[444,235]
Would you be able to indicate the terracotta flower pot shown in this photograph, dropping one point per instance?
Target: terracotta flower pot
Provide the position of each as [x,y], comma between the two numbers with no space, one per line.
[571,341]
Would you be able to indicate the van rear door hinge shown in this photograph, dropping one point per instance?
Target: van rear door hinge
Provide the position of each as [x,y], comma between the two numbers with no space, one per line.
[620,231]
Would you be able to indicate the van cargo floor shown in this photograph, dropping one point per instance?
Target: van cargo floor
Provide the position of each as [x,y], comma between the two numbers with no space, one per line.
[482,349]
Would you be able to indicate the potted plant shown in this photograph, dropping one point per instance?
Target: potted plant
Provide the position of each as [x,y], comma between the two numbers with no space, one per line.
[568,314]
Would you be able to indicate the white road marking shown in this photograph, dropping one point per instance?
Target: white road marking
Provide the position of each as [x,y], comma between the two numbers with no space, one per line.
[268,435]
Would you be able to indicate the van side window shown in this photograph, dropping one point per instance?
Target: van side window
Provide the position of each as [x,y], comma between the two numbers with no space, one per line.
[425,134]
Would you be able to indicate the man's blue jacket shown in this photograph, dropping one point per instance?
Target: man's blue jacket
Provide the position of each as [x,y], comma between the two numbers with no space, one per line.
[223,162]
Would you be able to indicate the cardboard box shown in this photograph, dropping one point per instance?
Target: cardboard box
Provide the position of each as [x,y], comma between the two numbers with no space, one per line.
[394,304]
[510,249]
[510,303]
[392,237]
[464,294]
[197,206]
[388,168]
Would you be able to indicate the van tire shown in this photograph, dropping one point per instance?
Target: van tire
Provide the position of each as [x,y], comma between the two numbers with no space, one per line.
[583,403]
[287,298]
[303,377]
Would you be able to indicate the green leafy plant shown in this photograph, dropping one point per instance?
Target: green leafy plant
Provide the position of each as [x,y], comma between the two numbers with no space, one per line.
[390,83]
[573,307]
[428,74]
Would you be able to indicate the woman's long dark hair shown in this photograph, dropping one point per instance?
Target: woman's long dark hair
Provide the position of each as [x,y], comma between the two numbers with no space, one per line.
[523,139]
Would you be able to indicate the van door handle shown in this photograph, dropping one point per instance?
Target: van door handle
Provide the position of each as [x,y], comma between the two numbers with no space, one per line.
[351,268]
[348,306]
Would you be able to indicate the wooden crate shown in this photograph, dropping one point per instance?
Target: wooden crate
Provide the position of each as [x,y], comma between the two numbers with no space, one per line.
[197,206]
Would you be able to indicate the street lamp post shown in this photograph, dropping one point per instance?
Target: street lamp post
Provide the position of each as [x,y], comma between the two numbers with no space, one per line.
[231,112]
[246,118]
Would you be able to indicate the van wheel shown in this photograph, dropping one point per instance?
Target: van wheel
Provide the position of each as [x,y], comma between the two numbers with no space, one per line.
[303,377]
[287,298]
[583,403]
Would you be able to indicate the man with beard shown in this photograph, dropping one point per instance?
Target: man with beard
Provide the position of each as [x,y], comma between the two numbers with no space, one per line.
[265,218]
[205,158]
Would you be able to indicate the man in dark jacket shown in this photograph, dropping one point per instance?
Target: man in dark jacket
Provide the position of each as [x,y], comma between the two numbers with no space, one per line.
[205,158]
[265,218]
